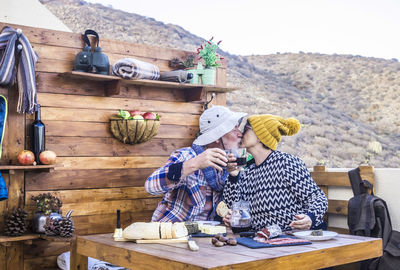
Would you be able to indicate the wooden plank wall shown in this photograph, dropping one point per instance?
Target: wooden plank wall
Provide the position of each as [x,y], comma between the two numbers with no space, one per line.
[100,174]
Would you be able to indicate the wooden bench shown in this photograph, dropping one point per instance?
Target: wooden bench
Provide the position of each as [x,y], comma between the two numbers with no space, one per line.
[326,179]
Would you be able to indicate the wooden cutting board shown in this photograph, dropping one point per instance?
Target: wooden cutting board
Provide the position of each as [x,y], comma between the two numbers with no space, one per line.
[155,241]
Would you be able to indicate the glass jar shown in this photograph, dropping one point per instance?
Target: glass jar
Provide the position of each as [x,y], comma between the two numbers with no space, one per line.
[240,218]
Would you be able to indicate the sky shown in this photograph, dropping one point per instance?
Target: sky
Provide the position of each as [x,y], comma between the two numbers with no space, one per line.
[249,27]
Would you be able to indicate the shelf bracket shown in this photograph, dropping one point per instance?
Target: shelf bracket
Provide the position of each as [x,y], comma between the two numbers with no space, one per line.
[194,94]
[112,87]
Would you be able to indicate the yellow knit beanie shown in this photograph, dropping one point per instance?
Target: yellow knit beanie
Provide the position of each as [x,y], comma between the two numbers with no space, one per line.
[269,128]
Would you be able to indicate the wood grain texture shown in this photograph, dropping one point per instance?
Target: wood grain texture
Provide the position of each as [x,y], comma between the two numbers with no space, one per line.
[342,249]
[40,263]
[106,223]
[107,207]
[91,163]
[40,248]
[52,83]
[111,103]
[15,256]
[91,115]
[338,207]
[81,146]
[86,179]
[93,129]
[96,195]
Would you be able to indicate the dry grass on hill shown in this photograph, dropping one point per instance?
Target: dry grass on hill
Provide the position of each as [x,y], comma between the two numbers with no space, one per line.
[345,103]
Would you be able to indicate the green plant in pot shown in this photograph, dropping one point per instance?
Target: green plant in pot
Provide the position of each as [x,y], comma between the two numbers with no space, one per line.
[46,205]
[208,53]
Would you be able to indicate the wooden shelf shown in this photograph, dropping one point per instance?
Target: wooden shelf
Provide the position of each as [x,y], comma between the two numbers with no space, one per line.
[7,240]
[112,84]
[11,168]
[57,238]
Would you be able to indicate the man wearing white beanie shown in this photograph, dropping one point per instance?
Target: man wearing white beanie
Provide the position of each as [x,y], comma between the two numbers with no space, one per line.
[193,178]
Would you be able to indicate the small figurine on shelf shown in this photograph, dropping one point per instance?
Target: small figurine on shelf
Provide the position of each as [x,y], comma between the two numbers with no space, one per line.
[46,205]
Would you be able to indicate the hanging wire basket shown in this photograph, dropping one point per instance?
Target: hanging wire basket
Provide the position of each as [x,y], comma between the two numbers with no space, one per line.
[134,131]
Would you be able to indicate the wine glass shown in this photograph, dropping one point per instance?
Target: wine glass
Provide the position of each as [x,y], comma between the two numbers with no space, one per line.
[240,154]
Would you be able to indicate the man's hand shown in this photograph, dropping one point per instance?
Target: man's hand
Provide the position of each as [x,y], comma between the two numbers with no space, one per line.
[212,157]
[303,222]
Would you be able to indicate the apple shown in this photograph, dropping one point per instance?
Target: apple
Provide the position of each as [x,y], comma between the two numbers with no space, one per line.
[149,116]
[135,112]
[26,157]
[137,117]
[47,157]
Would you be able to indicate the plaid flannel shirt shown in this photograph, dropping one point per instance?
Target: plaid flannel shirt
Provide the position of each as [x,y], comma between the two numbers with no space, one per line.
[189,198]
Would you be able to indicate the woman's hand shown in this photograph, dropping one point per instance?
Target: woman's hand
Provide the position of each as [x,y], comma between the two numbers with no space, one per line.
[227,218]
[302,222]
[232,168]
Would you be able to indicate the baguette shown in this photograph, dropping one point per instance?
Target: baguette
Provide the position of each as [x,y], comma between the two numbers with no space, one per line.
[179,230]
[142,230]
[165,229]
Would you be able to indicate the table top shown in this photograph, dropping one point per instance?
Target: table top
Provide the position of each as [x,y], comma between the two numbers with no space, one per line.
[340,250]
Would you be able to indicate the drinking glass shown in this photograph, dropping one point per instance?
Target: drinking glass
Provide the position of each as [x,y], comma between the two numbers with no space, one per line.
[240,219]
[240,154]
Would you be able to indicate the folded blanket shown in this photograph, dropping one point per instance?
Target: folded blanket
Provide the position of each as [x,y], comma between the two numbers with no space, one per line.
[93,264]
[129,68]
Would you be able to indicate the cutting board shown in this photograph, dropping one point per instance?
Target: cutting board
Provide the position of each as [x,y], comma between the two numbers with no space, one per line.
[155,241]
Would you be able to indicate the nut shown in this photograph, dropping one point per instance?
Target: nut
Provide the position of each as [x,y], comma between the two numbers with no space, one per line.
[219,244]
[214,240]
[232,242]
[223,238]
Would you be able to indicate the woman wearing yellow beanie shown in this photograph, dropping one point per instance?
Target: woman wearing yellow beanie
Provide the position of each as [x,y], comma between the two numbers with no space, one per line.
[277,185]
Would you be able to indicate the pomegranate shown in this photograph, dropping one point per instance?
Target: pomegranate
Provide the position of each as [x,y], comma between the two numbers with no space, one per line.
[47,157]
[26,157]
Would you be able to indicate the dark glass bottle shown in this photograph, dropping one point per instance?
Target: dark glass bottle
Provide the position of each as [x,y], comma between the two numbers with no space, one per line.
[38,135]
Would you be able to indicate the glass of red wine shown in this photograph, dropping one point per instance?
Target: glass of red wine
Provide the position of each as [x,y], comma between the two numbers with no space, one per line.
[240,154]
[240,219]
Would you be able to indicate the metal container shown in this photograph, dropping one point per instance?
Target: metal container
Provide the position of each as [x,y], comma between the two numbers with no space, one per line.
[39,220]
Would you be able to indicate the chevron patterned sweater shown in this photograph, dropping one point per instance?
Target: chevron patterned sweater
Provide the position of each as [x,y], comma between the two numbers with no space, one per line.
[277,189]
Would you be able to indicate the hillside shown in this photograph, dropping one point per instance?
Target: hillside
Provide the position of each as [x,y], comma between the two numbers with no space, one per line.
[345,103]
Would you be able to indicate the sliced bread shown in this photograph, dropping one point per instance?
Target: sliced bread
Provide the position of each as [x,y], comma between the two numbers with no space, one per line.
[142,230]
[179,230]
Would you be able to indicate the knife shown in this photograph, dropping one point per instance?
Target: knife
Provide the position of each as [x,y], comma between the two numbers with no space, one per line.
[118,231]
[192,244]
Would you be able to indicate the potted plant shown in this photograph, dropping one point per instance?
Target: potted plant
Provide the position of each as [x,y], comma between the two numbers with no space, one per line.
[46,205]
[208,53]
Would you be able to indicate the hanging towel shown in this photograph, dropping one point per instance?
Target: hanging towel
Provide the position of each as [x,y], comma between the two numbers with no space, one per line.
[3,118]
[17,64]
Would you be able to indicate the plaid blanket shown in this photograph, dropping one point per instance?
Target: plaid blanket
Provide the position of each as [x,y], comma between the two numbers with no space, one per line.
[129,68]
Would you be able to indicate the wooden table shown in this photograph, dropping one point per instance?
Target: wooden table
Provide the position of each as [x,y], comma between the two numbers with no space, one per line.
[340,250]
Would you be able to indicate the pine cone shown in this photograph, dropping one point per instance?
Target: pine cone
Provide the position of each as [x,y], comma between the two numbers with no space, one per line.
[66,227]
[16,223]
[52,226]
